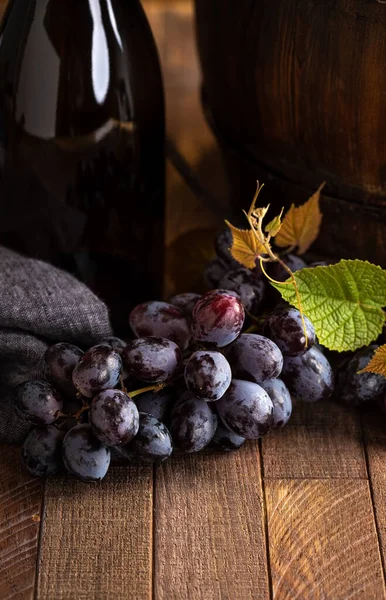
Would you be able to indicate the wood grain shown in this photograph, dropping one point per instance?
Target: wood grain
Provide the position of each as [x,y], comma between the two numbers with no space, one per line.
[97,539]
[320,441]
[282,80]
[323,542]
[20,508]
[209,533]
[375,441]
[209,526]
[297,92]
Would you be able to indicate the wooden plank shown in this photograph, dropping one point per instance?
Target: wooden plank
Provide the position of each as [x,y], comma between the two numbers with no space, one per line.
[375,443]
[322,541]
[20,507]
[320,441]
[209,530]
[97,539]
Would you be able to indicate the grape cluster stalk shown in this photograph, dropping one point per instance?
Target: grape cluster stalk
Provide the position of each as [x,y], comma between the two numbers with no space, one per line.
[202,372]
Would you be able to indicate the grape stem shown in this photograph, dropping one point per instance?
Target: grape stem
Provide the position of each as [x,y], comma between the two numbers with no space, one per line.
[255,219]
[86,405]
[150,388]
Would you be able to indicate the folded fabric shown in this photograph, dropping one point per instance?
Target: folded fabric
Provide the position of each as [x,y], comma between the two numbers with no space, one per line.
[39,305]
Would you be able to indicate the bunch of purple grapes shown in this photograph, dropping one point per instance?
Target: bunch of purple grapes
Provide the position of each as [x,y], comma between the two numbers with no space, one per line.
[193,378]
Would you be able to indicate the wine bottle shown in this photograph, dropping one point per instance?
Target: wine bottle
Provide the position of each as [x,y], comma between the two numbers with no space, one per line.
[82,144]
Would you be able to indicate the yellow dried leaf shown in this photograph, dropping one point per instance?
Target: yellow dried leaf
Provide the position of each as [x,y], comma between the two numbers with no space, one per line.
[301,224]
[245,247]
[378,363]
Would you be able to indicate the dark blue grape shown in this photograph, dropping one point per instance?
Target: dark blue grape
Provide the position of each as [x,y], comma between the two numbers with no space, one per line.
[225,440]
[223,243]
[185,302]
[295,263]
[60,360]
[193,423]
[284,326]
[71,406]
[84,455]
[281,400]
[208,375]
[114,418]
[153,442]
[42,451]
[116,343]
[253,357]
[321,263]
[157,404]
[99,369]
[309,377]
[218,318]
[214,272]
[152,359]
[353,388]
[160,319]
[247,286]
[37,402]
[246,409]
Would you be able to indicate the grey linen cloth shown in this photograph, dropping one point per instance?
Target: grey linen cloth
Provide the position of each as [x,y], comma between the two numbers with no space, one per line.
[39,305]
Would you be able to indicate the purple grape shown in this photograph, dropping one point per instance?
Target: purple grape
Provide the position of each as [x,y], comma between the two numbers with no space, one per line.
[116,343]
[214,272]
[60,360]
[42,451]
[284,327]
[84,455]
[185,302]
[281,400]
[37,402]
[295,263]
[157,404]
[321,263]
[208,375]
[223,243]
[153,443]
[246,409]
[247,286]
[225,440]
[160,319]
[114,418]
[353,388]
[98,369]
[309,377]
[193,423]
[152,359]
[254,358]
[218,318]
[71,406]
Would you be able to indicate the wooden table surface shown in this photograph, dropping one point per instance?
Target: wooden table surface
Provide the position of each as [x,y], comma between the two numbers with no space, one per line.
[299,515]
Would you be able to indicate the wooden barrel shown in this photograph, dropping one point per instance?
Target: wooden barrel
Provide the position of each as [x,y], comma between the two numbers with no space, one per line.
[296,93]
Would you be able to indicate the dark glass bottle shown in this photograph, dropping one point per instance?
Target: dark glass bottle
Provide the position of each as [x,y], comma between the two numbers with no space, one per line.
[82,144]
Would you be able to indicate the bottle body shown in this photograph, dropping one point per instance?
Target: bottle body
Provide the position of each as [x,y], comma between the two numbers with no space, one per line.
[82,144]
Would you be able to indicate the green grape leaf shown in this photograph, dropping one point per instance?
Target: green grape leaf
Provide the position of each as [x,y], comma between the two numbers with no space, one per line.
[344,302]
[275,225]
